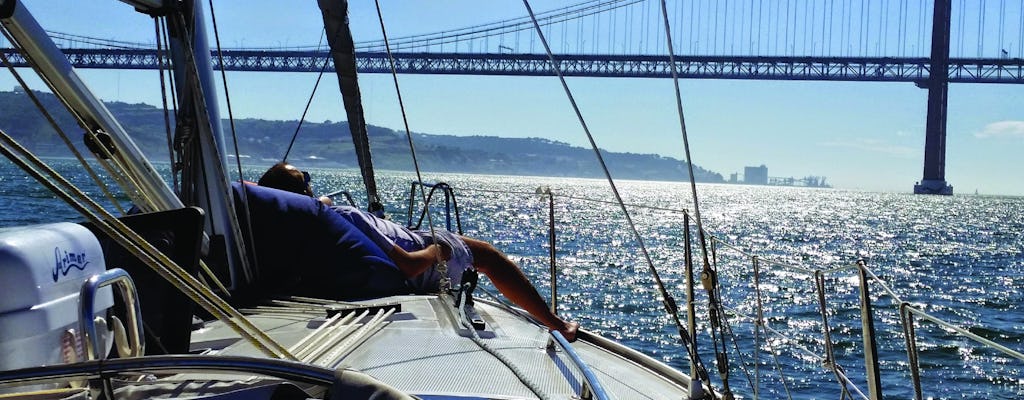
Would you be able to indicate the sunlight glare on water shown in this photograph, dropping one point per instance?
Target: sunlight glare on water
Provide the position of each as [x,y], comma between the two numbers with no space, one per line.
[959,258]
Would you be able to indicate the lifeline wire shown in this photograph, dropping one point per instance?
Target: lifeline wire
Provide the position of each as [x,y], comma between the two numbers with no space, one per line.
[668,301]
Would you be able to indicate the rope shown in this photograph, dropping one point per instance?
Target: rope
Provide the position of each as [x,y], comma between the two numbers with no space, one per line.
[238,159]
[142,249]
[709,280]
[116,171]
[468,325]
[442,266]
[708,276]
[163,98]
[201,109]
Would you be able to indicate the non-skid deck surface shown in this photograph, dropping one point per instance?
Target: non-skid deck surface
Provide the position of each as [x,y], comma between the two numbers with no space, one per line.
[421,351]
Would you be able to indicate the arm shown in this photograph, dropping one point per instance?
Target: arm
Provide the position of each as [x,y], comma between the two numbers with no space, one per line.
[413,263]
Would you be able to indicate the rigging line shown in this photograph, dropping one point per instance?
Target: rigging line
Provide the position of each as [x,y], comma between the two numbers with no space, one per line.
[668,302]
[116,171]
[175,168]
[707,272]
[686,141]
[227,94]
[163,98]
[316,85]
[53,123]
[442,266]
[238,159]
[143,250]
[714,290]
[125,181]
[200,107]
[736,348]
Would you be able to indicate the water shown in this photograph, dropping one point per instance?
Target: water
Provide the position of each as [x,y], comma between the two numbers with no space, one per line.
[960,258]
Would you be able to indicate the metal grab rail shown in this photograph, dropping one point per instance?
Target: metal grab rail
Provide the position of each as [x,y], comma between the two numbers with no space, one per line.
[592,388]
[285,369]
[451,206]
[343,192]
[87,316]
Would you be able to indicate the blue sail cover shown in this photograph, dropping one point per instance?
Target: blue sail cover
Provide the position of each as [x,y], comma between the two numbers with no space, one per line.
[303,247]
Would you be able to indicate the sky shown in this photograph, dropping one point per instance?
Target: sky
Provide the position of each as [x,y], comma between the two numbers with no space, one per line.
[860,135]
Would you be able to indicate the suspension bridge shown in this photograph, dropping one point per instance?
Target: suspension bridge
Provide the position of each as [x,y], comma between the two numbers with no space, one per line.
[929,43]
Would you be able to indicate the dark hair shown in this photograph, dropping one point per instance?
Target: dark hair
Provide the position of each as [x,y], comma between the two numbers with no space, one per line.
[286,177]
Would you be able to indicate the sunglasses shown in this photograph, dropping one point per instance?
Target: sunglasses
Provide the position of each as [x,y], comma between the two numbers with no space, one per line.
[305,177]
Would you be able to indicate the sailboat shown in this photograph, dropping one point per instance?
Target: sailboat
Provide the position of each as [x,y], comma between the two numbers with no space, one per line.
[171,329]
[181,322]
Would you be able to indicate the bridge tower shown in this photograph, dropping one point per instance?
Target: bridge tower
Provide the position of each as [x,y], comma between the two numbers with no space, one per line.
[934,180]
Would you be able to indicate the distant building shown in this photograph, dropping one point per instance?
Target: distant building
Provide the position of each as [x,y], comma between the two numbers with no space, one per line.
[755,175]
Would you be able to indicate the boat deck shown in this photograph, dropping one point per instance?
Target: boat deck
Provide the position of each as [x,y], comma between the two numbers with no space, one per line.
[422,350]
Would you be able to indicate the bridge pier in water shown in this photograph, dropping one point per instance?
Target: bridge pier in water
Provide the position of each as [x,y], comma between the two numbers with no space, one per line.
[934,180]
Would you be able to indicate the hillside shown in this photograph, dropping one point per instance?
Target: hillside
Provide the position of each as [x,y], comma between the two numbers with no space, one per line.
[329,145]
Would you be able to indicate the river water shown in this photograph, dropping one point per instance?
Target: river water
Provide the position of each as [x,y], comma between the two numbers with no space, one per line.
[959,258]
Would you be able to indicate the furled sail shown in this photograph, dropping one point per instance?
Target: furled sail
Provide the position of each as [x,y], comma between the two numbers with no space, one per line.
[339,36]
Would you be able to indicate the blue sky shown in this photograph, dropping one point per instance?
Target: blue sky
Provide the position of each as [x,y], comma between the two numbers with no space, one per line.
[862,136]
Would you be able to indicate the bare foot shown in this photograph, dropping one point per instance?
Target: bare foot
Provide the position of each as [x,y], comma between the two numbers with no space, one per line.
[569,332]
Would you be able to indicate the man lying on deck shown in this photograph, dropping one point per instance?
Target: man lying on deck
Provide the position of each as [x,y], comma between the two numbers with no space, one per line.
[413,254]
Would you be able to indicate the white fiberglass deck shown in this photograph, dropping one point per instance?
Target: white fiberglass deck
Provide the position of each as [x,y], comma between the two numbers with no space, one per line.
[419,350]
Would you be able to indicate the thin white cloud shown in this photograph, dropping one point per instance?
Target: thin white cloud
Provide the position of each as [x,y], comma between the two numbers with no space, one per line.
[1000,129]
[876,146]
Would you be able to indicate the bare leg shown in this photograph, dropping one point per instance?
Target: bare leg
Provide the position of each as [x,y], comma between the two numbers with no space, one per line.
[512,283]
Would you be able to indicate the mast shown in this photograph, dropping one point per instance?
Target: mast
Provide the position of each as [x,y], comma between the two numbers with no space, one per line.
[339,37]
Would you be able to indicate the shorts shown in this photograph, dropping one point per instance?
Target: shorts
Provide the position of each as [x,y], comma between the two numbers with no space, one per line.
[461,260]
